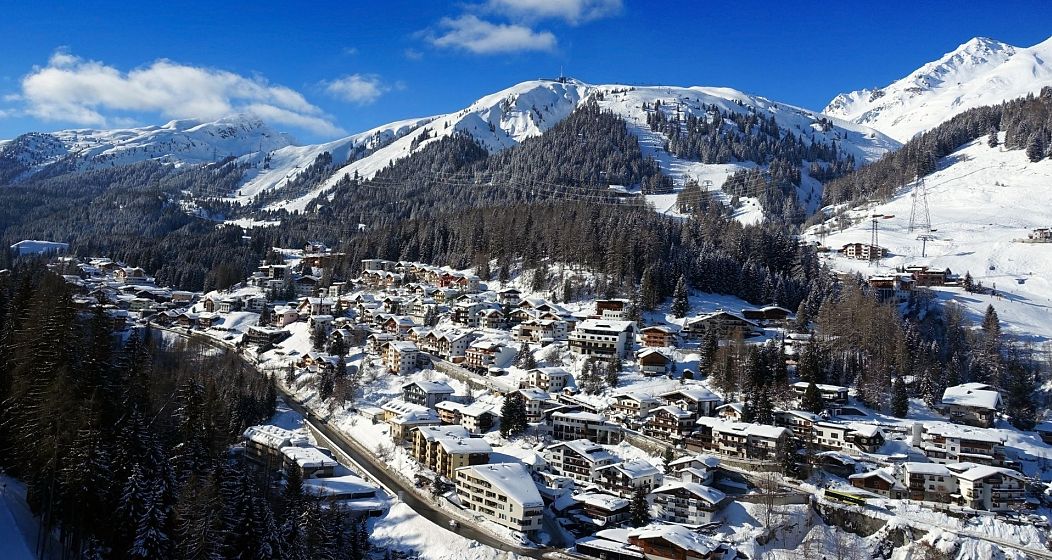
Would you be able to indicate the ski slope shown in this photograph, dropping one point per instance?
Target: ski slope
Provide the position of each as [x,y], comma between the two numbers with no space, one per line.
[981,200]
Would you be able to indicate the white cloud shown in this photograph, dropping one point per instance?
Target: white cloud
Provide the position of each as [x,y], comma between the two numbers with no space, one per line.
[88,92]
[357,88]
[573,12]
[479,36]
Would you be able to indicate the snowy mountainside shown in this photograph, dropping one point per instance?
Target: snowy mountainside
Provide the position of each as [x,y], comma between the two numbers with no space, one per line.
[979,72]
[506,118]
[861,142]
[981,200]
[178,142]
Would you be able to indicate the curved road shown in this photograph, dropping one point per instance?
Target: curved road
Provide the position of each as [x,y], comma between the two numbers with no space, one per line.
[379,471]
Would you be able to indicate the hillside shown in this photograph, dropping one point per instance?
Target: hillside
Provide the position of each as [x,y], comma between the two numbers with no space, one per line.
[982,200]
[506,118]
[979,72]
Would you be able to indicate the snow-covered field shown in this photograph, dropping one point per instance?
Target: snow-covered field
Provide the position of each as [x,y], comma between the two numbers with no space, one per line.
[982,200]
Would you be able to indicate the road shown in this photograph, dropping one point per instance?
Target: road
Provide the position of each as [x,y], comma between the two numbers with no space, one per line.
[375,468]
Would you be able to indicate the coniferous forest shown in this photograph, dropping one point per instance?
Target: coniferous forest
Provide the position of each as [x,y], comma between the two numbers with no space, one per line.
[124,443]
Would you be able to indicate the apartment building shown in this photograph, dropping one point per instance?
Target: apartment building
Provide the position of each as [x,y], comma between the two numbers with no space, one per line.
[503,493]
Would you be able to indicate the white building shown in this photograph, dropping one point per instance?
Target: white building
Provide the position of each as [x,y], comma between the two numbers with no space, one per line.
[587,425]
[550,379]
[602,338]
[578,459]
[687,502]
[503,493]
[400,357]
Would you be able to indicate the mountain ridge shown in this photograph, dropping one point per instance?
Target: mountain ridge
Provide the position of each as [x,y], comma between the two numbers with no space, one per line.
[981,71]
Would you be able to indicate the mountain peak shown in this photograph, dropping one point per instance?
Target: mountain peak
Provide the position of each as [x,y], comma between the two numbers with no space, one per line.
[980,71]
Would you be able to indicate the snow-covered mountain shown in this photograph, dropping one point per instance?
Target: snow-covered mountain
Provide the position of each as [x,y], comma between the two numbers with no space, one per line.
[179,142]
[497,121]
[506,118]
[980,72]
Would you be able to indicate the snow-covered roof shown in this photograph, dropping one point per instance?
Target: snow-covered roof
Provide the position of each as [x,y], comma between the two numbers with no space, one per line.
[680,537]
[975,395]
[982,471]
[711,495]
[272,436]
[634,469]
[606,325]
[931,469]
[696,394]
[431,387]
[601,500]
[308,457]
[509,479]
[708,461]
[580,415]
[338,486]
[587,449]
[673,411]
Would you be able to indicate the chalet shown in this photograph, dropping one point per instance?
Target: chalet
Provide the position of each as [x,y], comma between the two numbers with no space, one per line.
[731,412]
[482,355]
[929,482]
[848,437]
[738,439]
[228,305]
[948,444]
[309,461]
[601,338]
[601,508]
[688,503]
[627,477]
[653,362]
[659,336]
[974,404]
[669,423]
[375,342]
[537,401]
[537,330]
[634,405]
[696,399]
[926,276]
[262,336]
[491,319]
[694,468]
[880,482]
[612,309]
[675,542]
[830,393]
[835,463]
[990,488]
[509,296]
[863,251]
[426,393]
[207,320]
[400,357]
[315,306]
[724,324]
[767,315]
[549,379]
[404,417]
[799,421]
[285,315]
[130,275]
[896,288]
[306,285]
[587,425]
[578,459]
[444,449]
[186,319]
[1041,235]
[504,494]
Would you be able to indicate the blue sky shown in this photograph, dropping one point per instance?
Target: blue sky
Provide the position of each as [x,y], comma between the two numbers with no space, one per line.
[320,69]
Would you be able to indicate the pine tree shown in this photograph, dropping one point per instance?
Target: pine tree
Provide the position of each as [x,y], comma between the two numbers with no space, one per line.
[900,402]
[513,415]
[649,295]
[640,508]
[1035,146]
[812,399]
[680,304]
[524,359]
[992,139]
[667,459]
[1019,400]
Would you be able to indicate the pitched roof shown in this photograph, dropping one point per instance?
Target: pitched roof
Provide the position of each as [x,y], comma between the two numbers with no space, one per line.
[976,395]
[711,495]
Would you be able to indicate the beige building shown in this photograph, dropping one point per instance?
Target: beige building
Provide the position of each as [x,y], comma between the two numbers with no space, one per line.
[503,493]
